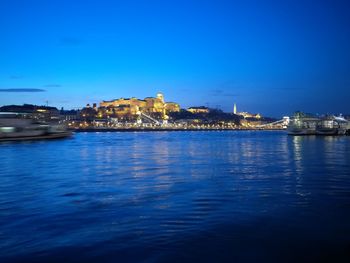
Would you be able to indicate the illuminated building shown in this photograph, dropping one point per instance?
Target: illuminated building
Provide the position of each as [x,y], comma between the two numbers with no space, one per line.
[245,114]
[172,107]
[200,109]
[249,115]
[37,112]
[133,106]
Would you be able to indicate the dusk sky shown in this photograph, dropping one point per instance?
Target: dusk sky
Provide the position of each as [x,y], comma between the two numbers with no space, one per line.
[271,57]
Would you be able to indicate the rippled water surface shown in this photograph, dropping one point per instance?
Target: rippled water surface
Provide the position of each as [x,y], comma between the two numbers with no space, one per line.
[176,197]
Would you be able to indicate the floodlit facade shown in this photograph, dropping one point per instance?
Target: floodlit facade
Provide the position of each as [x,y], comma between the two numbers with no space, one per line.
[249,115]
[134,106]
[198,109]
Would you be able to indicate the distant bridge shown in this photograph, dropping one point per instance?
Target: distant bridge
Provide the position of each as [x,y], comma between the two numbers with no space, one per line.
[280,123]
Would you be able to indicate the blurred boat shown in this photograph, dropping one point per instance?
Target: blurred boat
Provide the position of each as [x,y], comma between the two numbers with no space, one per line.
[17,127]
[332,125]
[302,124]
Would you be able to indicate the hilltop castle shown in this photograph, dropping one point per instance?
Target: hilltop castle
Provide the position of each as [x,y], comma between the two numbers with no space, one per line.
[132,106]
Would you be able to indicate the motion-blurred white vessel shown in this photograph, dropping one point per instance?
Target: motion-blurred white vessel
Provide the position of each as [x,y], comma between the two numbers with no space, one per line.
[15,127]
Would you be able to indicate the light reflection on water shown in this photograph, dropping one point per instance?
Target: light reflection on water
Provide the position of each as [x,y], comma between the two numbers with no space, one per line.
[167,196]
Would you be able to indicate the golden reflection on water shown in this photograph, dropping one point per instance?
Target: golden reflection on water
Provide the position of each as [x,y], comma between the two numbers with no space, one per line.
[321,155]
[141,164]
[334,147]
[298,163]
[297,151]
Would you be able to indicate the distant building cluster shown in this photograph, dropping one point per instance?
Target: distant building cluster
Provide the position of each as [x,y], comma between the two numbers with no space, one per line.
[134,109]
[200,109]
[131,107]
[249,115]
[245,114]
[36,112]
[147,112]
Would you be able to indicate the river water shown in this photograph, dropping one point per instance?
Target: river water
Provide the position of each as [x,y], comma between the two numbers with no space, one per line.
[229,196]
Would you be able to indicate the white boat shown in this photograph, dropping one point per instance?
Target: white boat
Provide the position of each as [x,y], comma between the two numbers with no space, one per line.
[302,124]
[16,127]
[331,125]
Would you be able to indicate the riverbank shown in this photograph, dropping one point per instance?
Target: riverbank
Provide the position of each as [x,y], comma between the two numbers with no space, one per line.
[161,129]
[179,130]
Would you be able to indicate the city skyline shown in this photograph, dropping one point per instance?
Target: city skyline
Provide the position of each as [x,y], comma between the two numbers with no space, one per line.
[273,58]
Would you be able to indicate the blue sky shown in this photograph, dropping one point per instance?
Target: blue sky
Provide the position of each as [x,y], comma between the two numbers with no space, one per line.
[272,57]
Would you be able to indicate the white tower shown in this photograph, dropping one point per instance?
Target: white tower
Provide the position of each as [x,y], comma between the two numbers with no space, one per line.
[234,108]
[160,96]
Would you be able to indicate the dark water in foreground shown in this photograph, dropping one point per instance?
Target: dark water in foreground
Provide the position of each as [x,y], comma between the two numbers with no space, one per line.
[176,197]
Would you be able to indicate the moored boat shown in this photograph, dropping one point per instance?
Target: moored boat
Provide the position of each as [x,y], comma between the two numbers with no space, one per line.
[302,124]
[306,124]
[331,125]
